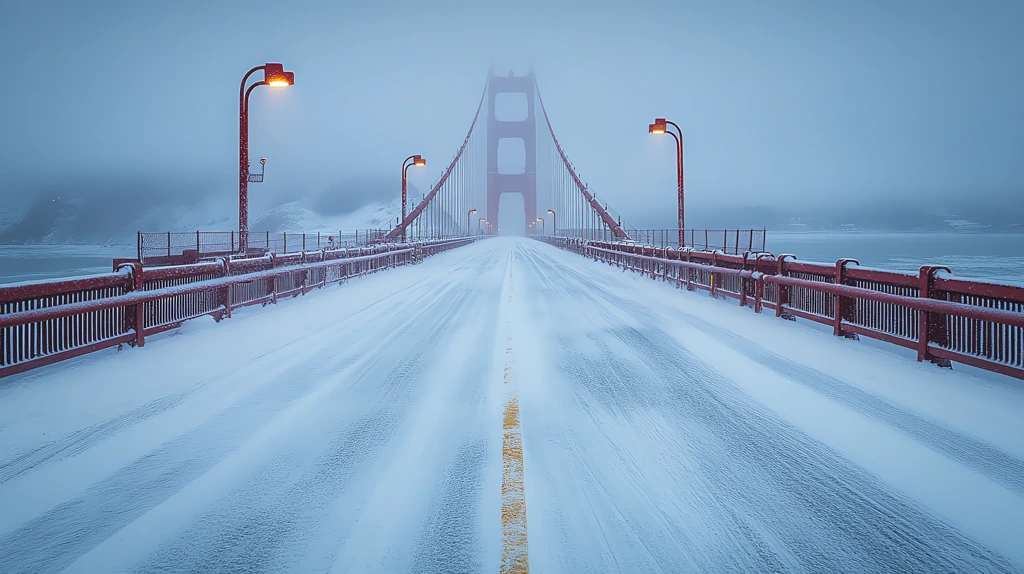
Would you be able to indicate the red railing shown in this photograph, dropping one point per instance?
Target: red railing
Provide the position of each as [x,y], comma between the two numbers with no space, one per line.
[46,322]
[942,318]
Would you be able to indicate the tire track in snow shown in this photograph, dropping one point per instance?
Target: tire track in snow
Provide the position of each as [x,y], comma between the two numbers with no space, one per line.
[449,541]
[845,507]
[625,391]
[261,528]
[59,536]
[83,439]
[976,454]
[817,510]
[268,520]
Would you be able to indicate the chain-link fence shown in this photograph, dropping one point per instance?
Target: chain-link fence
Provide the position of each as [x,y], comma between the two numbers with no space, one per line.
[731,241]
[169,248]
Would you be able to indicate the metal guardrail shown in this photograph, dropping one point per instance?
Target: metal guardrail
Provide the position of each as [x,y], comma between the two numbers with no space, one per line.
[46,322]
[942,318]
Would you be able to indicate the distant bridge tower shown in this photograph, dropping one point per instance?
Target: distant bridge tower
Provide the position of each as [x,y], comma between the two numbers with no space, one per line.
[526,130]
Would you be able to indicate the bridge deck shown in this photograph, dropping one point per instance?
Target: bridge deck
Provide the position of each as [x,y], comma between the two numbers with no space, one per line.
[374,427]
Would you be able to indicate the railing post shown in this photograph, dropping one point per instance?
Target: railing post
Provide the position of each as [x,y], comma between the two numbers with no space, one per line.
[226,294]
[782,291]
[137,313]
[323,270]
[743,280]
[759,293]
[759,288]
[843,307]
[139,244]
[930,326]
[197,244]
[689,271]
[168,243]
[232,241]
[714,265]
[272,281]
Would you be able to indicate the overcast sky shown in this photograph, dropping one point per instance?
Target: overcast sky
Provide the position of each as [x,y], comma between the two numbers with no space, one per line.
[782,103]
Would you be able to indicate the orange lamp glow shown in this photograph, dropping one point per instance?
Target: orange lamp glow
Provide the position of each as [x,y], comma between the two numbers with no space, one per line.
[656,129]
[419,161]
[276,77]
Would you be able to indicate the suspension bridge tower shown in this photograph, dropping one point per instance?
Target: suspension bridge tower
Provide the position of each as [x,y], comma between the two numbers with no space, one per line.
[524,129]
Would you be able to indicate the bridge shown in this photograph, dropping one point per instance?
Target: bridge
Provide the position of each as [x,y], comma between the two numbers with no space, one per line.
[438,397]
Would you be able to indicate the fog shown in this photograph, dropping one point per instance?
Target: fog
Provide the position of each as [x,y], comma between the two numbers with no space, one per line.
[800,107]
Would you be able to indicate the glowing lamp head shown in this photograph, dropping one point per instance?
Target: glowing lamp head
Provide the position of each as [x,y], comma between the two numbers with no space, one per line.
[418,161]
[472,211]
[656,129]
[276,77]
[550,211]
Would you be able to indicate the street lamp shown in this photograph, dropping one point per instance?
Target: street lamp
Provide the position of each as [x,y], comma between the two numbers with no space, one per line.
[554,222]
[469,229]
[274,76]
[541,220]
[659,127]
[417,161]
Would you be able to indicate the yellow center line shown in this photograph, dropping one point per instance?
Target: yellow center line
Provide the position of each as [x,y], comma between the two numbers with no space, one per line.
[515,558]
[513,495]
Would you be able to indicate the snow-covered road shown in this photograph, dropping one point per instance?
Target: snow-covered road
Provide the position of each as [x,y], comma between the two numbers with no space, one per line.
[376,427]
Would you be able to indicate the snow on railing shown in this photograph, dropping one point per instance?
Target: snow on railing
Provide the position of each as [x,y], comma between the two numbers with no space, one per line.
[49,321]
[942,318]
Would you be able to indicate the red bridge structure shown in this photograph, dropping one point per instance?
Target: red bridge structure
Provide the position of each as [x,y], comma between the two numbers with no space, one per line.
[943,318]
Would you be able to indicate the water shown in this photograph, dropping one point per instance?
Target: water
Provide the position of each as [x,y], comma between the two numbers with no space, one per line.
[992,256]
[997,257]
[39,262]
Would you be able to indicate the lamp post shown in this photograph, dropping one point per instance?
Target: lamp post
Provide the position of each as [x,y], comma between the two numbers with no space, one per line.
[275,77]
[479,221]
[541,220]
[469,228]
[417,161]
[554,222]
[659,127]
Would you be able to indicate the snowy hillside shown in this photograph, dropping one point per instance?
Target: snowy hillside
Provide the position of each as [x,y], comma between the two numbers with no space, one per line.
[298,216]
[88,219]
